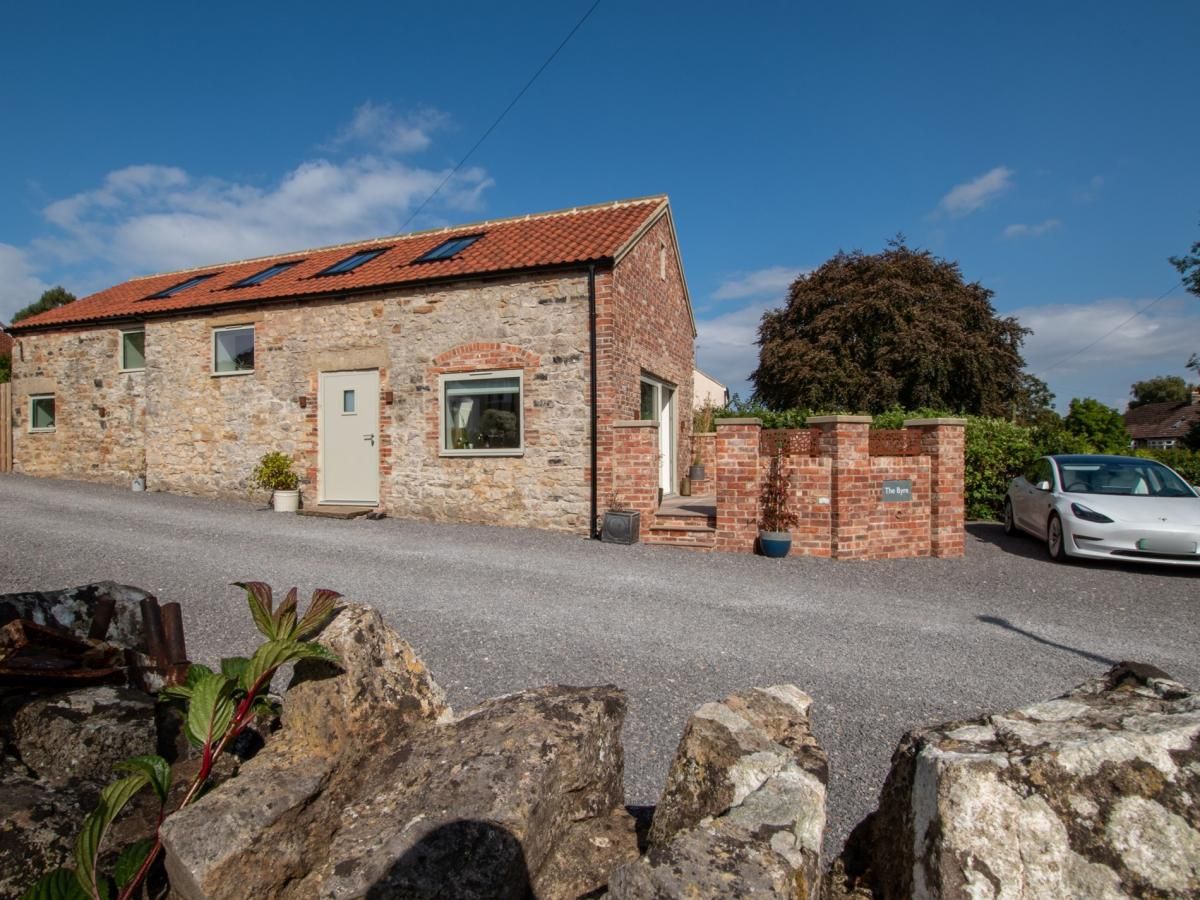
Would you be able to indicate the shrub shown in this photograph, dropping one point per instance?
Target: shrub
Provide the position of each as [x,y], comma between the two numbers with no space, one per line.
[1185,462]
[996,452]
[274,473]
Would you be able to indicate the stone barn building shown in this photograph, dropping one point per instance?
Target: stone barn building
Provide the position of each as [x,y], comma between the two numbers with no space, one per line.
[469,374]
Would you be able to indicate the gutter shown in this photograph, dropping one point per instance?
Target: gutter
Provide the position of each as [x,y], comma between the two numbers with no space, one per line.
[592,530]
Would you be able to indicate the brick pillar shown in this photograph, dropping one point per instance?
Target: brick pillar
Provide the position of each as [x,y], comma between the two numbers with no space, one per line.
[846,441]
[943,441]
[737,484]
[635,470]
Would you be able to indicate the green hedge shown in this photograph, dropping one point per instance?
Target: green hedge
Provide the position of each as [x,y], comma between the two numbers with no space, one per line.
[996,450]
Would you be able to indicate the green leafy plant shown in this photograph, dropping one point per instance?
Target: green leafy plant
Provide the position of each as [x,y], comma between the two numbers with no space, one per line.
[219,707]
[274,473]
[775,502]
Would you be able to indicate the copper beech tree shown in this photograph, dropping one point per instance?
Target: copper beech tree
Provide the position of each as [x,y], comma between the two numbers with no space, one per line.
[900,328]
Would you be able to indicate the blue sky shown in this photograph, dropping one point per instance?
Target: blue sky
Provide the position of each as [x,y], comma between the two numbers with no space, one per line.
[1051,149]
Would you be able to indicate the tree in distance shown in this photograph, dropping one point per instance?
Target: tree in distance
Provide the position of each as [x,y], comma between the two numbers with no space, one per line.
[1163,389]
[1100,426]
[866,333]
[56,296]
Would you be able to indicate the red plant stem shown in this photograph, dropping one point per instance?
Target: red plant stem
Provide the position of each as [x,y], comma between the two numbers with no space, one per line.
[211,754]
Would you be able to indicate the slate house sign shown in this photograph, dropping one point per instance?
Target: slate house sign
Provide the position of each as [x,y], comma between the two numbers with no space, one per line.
[897,492]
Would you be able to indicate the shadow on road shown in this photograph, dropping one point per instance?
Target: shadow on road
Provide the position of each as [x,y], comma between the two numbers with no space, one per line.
[1009,626]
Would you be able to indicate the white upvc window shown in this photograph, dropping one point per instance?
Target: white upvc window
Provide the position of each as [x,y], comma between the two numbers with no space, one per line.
[133,350]
[482,414]
[233,350]
[41,413]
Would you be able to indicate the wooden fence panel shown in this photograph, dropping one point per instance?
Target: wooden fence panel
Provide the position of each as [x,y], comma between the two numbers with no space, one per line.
[6,430]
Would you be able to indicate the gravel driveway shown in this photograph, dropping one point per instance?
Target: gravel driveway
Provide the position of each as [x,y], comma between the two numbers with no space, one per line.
[881,646]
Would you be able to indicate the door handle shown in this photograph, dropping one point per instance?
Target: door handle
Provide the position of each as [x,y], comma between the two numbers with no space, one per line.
[369,437]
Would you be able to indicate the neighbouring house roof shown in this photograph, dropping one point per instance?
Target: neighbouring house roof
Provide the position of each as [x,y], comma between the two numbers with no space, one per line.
[6,341]
[545,240]
[1162,421]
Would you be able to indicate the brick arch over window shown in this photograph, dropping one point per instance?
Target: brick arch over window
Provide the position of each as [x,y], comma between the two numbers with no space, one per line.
[478,357]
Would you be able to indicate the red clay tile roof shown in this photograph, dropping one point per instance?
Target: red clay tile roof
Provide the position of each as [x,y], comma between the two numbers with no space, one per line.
[1167,420]
[566,237]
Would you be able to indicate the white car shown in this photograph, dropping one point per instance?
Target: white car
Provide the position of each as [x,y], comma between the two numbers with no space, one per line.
[1107,507]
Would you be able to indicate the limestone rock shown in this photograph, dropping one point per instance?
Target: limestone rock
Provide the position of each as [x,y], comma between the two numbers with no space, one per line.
[496,803]
[743,812]
[72,610]
[38,826]
[380,686]
[84,733]
[1089,795]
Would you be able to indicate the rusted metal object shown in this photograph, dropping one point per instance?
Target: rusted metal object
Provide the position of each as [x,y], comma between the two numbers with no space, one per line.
[894,442]
[101,618]
[790,442]
[33,655]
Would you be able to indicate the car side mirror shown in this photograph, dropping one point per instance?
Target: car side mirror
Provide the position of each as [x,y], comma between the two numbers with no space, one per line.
[1043,485]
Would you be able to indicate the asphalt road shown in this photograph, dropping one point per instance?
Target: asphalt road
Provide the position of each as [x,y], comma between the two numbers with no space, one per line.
[882,647]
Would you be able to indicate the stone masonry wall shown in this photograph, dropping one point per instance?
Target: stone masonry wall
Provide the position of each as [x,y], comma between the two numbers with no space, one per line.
[643,327]
[100,412]
[205,433]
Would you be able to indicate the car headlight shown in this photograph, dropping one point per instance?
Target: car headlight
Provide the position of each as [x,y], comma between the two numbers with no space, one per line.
[1088,515]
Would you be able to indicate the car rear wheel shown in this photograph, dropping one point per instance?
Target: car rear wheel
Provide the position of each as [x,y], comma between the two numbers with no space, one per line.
[1010,524]
[1055,540]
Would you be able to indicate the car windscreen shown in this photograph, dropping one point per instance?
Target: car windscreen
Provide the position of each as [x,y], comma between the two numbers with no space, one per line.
[1135,478]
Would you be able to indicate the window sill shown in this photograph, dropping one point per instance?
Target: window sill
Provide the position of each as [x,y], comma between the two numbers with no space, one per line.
[230,374]
[130,371]
[42,430]
[513,452]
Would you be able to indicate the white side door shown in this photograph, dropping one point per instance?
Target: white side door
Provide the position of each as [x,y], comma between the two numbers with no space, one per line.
[349,427]
[658,405]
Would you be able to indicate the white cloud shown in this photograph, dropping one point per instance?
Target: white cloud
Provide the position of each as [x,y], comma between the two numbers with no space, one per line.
[1021,230]
[772,280]
[379,127]
[727,347]
[973,195]
[1072,349]
[19,286]
[146,218]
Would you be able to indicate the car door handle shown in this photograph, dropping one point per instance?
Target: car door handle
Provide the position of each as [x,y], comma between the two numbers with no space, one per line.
[369,437]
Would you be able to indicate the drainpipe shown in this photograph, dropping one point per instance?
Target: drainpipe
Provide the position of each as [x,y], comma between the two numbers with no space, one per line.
[595,533]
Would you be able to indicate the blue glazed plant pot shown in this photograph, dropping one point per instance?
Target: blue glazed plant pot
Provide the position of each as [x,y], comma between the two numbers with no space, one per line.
[775,544]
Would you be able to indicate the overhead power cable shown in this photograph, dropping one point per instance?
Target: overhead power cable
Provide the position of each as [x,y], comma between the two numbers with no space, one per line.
[500,118]
[1112,331]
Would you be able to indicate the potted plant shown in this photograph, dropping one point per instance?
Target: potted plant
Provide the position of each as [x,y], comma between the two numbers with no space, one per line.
[703,422]
[775,510]
[621,526]
[274,473]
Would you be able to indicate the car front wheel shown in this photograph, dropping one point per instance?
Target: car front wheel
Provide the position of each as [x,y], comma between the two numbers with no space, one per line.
[1055,540]
[1010,524]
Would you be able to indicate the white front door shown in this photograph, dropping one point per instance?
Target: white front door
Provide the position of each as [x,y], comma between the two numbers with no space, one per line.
[350,437]
[658,404]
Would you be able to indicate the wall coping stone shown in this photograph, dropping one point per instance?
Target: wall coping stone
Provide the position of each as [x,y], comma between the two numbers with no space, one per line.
[752,420]
[839,420]
[635,423]
[910,423]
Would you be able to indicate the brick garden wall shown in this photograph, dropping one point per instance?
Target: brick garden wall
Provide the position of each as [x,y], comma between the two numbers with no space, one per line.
[836,490]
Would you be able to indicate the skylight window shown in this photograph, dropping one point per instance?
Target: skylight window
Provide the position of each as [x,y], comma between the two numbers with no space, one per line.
[350,263]
[179,288]
[262,276]
[449,248]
